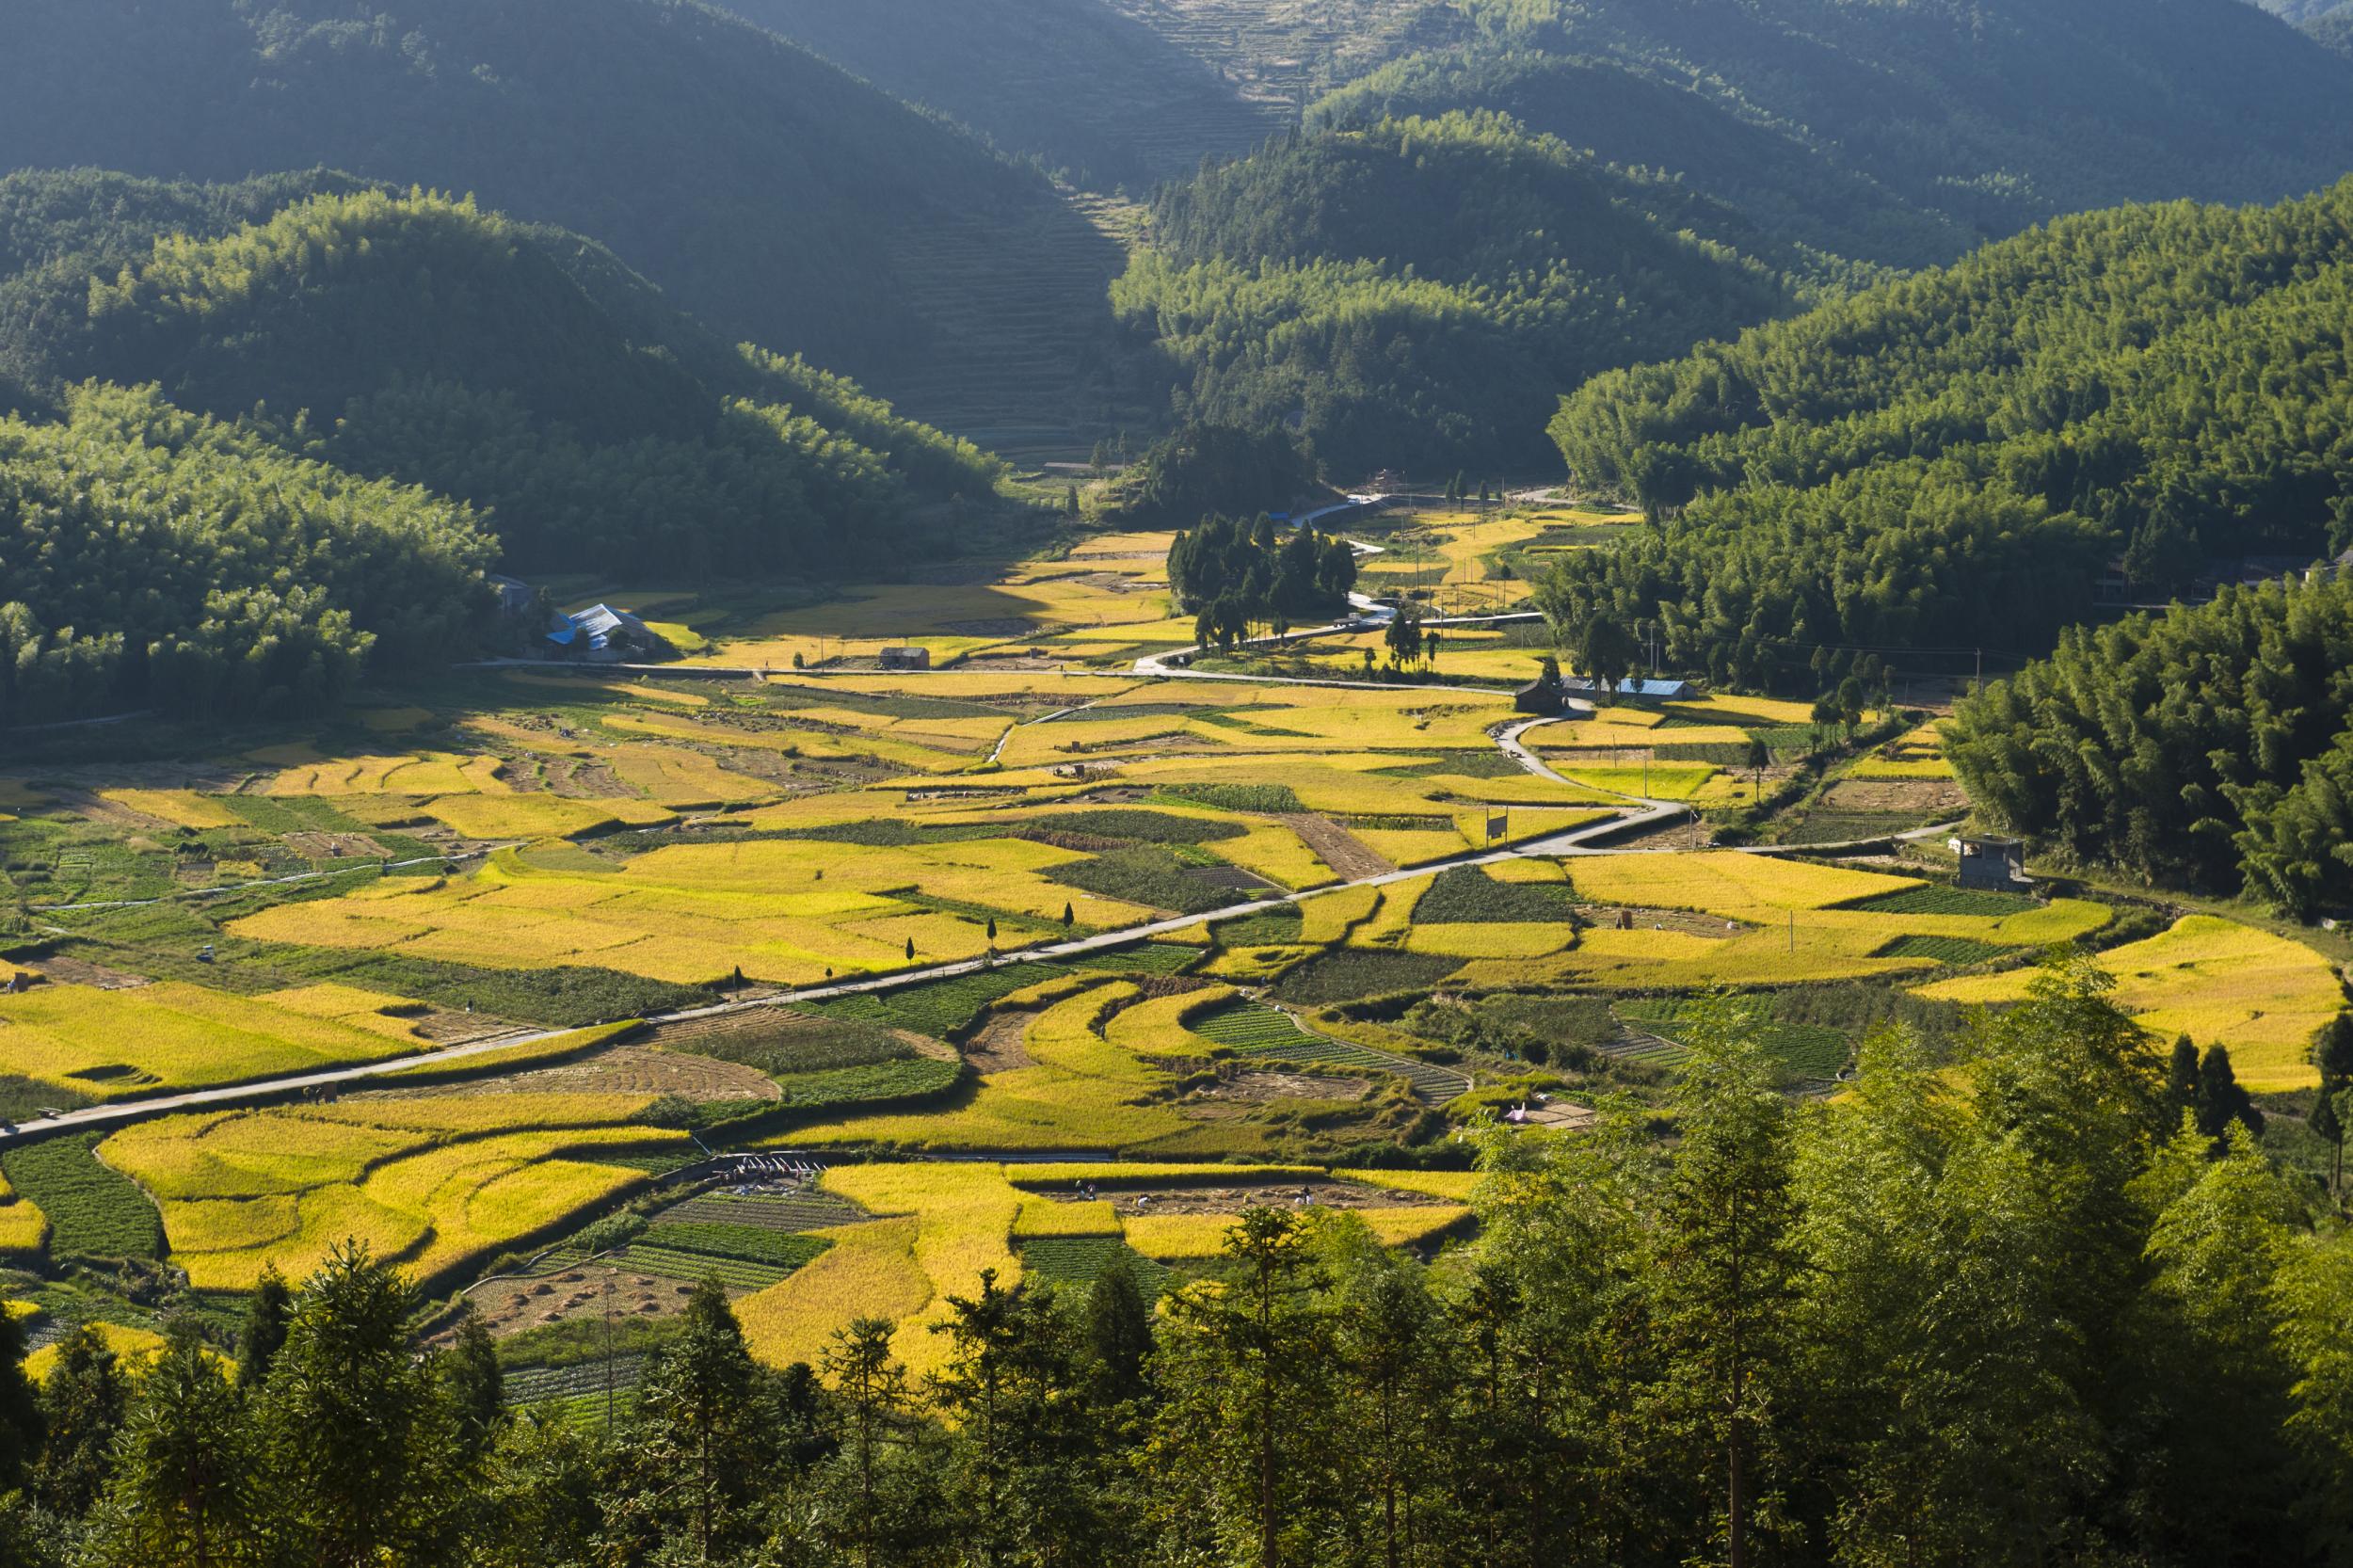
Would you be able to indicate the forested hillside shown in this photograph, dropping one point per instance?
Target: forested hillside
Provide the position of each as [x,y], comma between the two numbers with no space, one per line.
[771,194]
[2212,745]
[1950,459]
[1996,113]
[324,364]
[1471,227]
[423,338]
[1417,292]
[151,558]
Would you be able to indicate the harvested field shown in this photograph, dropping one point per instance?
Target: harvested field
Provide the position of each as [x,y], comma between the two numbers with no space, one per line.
[576,1290]
[1233,1196]
[63,971]
[1926,797]
[1269,1087]
[1337,846]
[637,1069]
[998,1047]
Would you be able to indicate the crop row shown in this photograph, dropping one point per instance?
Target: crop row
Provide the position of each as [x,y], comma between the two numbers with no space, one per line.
[1247,1026]
[791,1211]
[748,1243]
[735,1273]
[1943,950]
[1946,901]
[1081,1260]
[93,1210]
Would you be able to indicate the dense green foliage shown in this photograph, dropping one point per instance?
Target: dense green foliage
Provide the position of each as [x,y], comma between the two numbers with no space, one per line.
[2058,1319]
[1416,292]
[1642,115]
[770,193]
[519,369]
[2212,745]
[1233,573]
[150,557]
[1949,459]
[1199,468]
[353,343]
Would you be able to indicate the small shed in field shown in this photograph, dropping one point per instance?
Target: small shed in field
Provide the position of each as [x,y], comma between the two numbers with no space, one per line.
[905,658]
[1541,696]
[1993,865]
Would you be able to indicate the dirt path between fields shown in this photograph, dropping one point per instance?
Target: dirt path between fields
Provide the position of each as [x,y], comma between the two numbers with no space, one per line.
[1342,850]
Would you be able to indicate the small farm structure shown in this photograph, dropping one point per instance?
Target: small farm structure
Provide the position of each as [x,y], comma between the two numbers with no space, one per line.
[905,658]
[1993,865]
[1631,690]
[1543,696]
[602,635]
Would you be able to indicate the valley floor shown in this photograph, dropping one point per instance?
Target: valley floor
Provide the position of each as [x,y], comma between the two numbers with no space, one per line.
[841,985]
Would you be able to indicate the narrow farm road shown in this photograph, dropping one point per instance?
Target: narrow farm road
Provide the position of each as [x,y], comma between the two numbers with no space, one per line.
[120,1113]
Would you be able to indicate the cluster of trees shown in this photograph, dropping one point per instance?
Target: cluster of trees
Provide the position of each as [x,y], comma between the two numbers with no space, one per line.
[1203,467]
[1950,460]
[153,557]
[2211,745]
[1232,574]
[1416,292]
[2047,1319]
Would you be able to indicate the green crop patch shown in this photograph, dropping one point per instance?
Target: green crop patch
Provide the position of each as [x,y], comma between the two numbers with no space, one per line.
[291,814]
[749,1243]
[1943,950]
[1138,958]
[1271,799]
[94,1210]
[940,1008]
[1268,928]
[1150,827]
[875,1083]
[1347,974]
[1154,875]
[1248,1026]
[1947,901]
[780,1043]
[1078,1262]
[1468,895]
[1804,1050]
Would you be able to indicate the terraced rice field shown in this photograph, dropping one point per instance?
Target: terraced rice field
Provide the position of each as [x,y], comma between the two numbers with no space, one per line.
[436,1183]
[1256,1031]
[944,1222]
[110,1044]
[2219,983]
